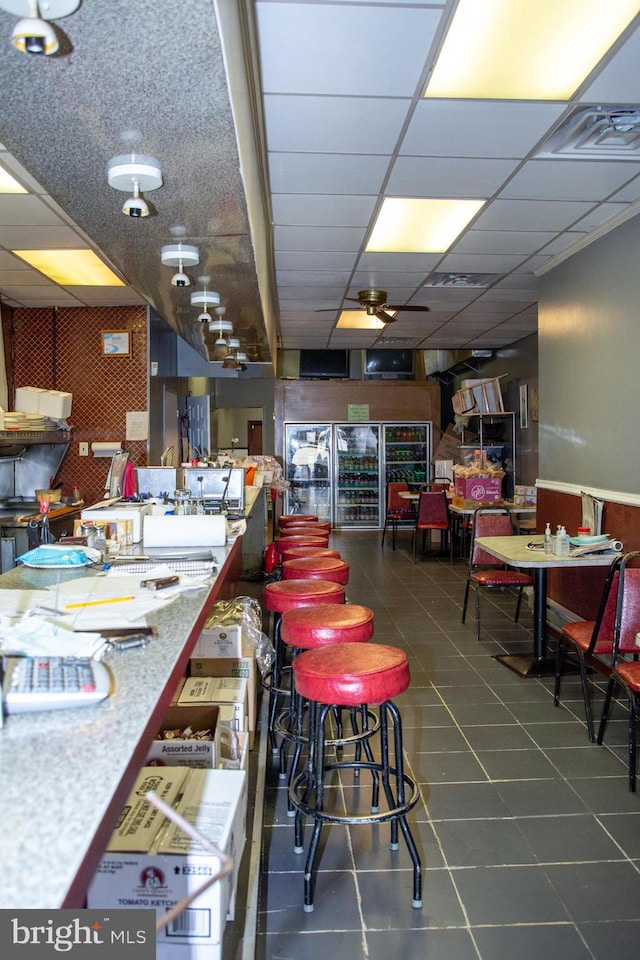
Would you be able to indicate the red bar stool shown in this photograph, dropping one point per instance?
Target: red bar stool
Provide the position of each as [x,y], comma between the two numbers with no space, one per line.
[285,595]
[353,675]
[316,568]
[286,542]
[315,529]
[296,518]
[295,553]
[309,628]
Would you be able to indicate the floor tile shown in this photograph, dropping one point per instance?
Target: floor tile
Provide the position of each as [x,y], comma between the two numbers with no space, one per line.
[528,835]
[531,942]
[507,895]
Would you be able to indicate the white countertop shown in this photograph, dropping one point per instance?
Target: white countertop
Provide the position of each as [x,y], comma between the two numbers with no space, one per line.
[66,774]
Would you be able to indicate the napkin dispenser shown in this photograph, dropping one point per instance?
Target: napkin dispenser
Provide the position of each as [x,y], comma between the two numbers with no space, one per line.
[199,530]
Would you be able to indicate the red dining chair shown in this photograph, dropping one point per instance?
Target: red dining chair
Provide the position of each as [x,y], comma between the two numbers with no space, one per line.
[592,642]
[625,666]
[399,511]
[433,514]
[484,571]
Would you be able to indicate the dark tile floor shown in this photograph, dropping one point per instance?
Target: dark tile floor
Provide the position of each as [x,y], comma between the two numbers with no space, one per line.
[529,837]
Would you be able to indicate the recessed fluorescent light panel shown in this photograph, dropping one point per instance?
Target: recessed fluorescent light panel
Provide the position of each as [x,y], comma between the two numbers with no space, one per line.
[524,50]
[8,184]
[71,268]
[358,320]
[407,225]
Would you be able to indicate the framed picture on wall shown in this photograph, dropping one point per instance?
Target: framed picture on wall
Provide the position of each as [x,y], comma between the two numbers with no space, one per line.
[115,343]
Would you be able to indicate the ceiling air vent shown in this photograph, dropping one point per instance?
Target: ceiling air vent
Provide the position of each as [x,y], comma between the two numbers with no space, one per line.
[596,133]
[462,279]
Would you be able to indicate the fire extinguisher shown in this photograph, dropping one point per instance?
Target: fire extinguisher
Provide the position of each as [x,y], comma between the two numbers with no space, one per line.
[270,558]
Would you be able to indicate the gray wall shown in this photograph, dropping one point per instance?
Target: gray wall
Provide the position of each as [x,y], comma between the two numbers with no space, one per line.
[589,351]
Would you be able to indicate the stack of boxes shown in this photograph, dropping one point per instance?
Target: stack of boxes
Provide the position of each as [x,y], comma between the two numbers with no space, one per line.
[150,862]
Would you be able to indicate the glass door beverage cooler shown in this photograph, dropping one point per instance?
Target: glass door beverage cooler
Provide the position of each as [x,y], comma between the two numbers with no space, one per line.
[308,460]
[357,475]
[340,470]
[407,452]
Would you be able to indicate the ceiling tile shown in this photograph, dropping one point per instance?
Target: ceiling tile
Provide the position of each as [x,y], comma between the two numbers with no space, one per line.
[447,177]
[326,173]
[569,179]
[476,128]
[322,211]
[326,125]
[329,61]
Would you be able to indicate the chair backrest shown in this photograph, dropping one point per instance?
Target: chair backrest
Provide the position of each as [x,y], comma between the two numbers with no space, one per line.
[627,605]
[395,502]
[433,507]
[488,522]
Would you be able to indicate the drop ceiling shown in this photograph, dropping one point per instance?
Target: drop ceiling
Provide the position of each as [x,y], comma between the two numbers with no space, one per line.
[280,128]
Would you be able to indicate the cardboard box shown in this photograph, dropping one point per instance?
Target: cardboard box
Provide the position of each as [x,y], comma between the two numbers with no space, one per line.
[524,495]
[480,489]
[167,865]
[244,667]
[229,692]
[207,530]
[133,514]
[220,642]
[449,446]
[180,752]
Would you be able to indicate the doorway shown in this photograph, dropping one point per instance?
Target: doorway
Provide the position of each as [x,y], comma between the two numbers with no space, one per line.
[254,437]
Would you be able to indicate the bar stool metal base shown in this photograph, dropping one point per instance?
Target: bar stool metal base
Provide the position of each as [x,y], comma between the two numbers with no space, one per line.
[307,793]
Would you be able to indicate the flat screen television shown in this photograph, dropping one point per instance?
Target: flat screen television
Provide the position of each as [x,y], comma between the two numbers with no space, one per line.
[324,364]
[387,364]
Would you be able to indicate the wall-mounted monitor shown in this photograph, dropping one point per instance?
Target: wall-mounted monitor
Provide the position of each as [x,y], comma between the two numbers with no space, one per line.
[324,364]
[388,364]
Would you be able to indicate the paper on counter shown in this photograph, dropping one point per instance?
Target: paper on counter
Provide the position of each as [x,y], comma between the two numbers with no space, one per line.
[34,637]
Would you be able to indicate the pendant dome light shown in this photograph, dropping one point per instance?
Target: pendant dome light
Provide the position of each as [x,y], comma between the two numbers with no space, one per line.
[180,255]
[220,326]
[205,298]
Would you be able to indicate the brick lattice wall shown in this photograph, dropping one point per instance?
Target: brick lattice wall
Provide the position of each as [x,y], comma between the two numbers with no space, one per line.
[61,350]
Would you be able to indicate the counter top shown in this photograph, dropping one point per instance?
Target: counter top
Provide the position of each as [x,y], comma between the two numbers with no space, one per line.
[66,774]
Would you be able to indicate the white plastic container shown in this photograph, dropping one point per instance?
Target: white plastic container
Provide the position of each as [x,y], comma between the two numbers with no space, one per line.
[28,399]
[56,404]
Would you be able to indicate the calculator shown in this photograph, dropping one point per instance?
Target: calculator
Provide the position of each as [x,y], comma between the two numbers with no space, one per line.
[53,683]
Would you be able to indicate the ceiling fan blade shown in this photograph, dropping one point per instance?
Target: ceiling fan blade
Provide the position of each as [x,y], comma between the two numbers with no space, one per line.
[415,308]
[385,317]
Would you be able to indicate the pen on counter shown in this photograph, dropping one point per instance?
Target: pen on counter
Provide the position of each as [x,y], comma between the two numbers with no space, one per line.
[96,603]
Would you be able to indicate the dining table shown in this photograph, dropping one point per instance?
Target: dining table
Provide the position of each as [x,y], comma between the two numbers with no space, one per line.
[527,553]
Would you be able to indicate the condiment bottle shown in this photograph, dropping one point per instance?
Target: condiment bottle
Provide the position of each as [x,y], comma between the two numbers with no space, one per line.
[548,546]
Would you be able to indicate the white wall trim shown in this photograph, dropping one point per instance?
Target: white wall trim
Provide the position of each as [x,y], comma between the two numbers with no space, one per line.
[626,214]
[575,490]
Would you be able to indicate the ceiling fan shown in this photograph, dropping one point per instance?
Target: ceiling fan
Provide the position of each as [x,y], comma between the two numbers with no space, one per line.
[375,304]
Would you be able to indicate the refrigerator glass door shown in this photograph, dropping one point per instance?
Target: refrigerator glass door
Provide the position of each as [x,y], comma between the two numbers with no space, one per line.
[307,459]
[407,452]
[357,487]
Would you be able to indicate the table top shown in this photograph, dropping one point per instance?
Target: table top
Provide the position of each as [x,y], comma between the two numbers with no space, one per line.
[511,507]
[514,552]
[468,511]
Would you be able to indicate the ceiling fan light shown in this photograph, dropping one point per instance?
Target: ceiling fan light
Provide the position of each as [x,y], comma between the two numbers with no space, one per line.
[205,317]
